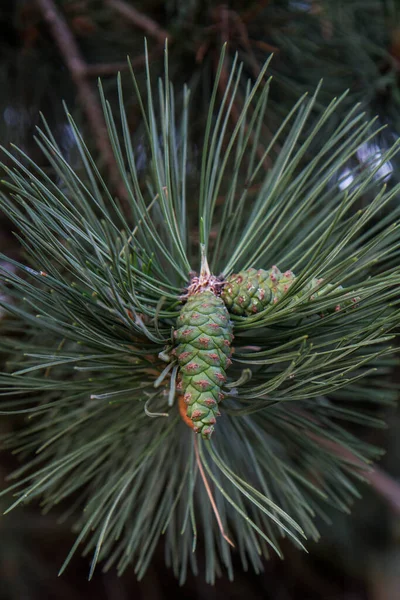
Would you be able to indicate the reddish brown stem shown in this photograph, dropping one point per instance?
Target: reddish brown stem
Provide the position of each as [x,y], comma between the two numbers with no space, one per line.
[139,19]
[254,11]
[88,99]
[209,492]
[99,69]
[183,410]
[104,69]
[243,34]
[383,484]
[235,113]
[265,47]
[387,487]
[226,19]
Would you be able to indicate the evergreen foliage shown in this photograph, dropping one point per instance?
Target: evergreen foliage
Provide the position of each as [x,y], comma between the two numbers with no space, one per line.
[93,307]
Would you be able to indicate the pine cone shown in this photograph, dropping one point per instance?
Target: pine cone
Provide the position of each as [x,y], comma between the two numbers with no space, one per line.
[204,336]
[251,291]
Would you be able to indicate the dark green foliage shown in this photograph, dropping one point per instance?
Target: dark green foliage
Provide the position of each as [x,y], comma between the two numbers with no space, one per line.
[92,305]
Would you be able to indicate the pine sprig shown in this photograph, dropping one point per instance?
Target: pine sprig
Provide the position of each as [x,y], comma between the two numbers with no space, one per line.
[93,307]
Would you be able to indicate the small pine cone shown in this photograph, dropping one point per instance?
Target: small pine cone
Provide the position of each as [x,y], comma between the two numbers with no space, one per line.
[251,291]
[204,336]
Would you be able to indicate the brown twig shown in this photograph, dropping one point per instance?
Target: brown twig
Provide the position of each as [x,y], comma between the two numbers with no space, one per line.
[99,69]
[225,19]
[209,492]
[325,23]
[78,69]
[387,487]
[383,484]
[243,35]
[253,12]
[265,47]
[104,69]
[140,20]
[235,112]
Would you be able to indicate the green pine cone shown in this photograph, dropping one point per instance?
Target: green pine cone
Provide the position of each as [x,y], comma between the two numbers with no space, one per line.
[204,337]
[251,291]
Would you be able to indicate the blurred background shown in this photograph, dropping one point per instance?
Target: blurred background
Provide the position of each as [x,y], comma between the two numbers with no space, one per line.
[53,51]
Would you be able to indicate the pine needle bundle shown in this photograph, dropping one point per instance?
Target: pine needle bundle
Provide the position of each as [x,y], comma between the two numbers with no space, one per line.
[152,410]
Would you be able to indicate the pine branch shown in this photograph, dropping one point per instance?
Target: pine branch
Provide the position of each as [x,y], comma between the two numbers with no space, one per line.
[383,485]
[140,20]
[97,308]
[104,69]
[79,73]
[254,11]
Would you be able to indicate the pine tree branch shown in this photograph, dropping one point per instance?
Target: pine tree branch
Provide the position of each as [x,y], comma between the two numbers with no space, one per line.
[383,484]
[104,69]
[140,20]
[240,28]
[79,73]
[252,13]
[115,310]
[209,494]
[224,19]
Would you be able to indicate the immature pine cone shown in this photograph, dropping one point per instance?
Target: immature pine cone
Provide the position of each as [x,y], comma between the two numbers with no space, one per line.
[249,292]
[204,337]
